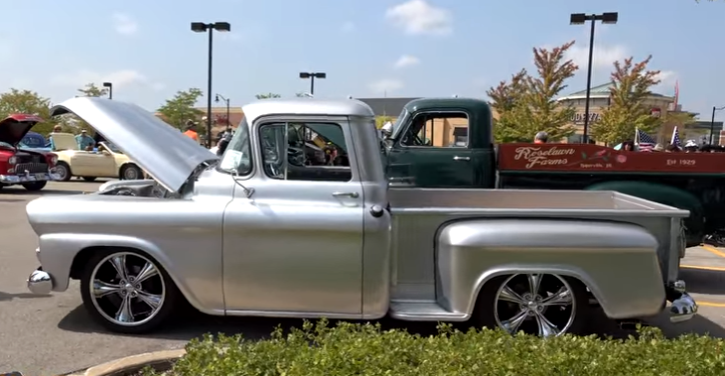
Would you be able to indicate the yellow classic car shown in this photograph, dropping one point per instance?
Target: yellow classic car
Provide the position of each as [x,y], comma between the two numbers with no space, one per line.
[106,161]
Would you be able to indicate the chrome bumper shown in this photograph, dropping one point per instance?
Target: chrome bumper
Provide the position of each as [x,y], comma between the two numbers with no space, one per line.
[39,282]
[684,307]
[28,178]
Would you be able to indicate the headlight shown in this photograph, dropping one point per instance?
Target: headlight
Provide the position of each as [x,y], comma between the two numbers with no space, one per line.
[13,160]
[54,160]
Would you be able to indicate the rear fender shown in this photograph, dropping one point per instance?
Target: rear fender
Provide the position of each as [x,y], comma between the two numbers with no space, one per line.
[617,261]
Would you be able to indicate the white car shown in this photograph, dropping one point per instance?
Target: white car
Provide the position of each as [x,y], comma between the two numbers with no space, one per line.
[106,161]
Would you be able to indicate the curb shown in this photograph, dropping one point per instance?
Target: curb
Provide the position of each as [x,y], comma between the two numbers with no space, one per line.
[130,363]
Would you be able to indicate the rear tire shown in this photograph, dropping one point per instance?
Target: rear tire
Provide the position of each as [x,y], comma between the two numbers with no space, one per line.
[35,186]
[127,291]
[539,304]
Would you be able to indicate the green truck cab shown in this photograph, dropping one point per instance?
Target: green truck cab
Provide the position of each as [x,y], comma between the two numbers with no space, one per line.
[448,143]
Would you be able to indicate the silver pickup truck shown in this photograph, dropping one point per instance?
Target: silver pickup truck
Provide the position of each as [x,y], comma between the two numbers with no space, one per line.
[263,231]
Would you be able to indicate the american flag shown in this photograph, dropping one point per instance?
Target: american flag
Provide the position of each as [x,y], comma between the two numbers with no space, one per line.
[675,137]
[645,142]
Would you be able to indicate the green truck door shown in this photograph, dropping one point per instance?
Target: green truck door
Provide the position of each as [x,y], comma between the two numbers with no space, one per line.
[433,152]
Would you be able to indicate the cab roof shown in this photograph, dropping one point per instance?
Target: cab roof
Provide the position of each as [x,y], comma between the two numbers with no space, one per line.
[306,106]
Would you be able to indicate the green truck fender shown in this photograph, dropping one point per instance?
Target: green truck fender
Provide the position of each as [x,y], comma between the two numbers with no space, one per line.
[663,194]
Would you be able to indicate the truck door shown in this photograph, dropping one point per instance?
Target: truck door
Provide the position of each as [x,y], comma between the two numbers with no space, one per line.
[433,152]
[295,245]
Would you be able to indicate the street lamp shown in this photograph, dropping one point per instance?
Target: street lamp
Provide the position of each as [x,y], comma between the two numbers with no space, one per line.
[201,27]
[580,19]
[110,89]
[219,96]
[312,76]
[712,121]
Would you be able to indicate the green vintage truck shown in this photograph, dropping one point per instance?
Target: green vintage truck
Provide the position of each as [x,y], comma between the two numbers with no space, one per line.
[448,143]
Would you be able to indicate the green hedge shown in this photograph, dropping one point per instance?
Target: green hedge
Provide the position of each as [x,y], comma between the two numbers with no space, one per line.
[351,349]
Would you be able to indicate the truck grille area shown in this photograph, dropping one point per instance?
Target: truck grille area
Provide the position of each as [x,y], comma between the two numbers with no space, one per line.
[32,168]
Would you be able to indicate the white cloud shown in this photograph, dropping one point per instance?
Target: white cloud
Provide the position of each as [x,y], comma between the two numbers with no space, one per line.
[667,77]
[604,56]
[417,17]
[407,61]
[121,78]
[386,86]
[348,27]
[124,24]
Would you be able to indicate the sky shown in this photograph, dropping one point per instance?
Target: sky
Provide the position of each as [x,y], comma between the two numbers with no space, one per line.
[370,48]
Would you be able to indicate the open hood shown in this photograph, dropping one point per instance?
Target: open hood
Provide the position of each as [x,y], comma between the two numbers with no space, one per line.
[166,154]
[16,126]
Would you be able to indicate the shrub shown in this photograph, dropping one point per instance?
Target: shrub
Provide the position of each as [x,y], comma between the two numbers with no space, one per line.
[353,349]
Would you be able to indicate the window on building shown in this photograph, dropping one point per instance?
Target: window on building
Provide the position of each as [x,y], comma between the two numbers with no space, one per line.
[437,129]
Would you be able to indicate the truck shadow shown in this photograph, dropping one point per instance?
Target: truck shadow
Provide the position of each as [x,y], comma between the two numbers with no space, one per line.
[189,323]
[10,191]
[701,281]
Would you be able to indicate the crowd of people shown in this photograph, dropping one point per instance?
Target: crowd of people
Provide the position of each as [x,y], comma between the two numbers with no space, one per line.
[83,139]
[689,147]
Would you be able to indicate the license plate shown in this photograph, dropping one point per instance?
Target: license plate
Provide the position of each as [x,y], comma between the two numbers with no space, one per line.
[40,176]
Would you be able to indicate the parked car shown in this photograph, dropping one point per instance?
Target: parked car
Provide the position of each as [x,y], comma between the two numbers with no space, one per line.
[35,142]
[106,161]
[254,235]
[30,168]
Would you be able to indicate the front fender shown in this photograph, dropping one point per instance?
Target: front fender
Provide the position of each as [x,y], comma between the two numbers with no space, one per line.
[618,262]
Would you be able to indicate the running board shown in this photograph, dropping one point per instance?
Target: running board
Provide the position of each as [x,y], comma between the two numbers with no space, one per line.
[423,310]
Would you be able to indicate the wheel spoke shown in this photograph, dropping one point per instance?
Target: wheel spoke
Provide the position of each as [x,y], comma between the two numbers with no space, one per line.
[124,313]
[513,324]
[546,328]
[534,282]
[152,300]
[562,297]
[119,263]
[509,295]
[101,289]
[148,271]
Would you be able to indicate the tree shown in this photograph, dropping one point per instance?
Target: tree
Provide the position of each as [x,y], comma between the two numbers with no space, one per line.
[27,102]
[267,96]
[631,84]
[381,120]
[91,90]
[504,100]
[528,104]
[180,109]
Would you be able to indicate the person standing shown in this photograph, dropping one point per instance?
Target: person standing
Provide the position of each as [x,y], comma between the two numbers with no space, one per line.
[84,141]
[56,129]
[191,131]
[541,138]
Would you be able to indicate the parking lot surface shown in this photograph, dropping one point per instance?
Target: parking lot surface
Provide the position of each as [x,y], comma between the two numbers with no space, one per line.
[53,335]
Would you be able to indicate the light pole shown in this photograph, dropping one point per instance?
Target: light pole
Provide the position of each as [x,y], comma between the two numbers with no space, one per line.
[201,27]
[219,96]
[580,19]
[109,85]
[712,121]
[312,76]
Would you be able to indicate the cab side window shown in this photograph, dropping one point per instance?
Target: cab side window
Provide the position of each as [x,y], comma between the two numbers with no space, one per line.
[304,151]
[437,130]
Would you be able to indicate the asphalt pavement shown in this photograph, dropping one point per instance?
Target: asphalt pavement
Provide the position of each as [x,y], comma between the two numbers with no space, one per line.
[52,335]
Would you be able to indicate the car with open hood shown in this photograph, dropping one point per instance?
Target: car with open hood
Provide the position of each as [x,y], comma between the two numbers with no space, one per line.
[260,232]
[18,166]
[104,161]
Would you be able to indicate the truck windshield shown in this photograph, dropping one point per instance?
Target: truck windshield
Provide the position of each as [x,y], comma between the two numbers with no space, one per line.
[402,119]
[237,158]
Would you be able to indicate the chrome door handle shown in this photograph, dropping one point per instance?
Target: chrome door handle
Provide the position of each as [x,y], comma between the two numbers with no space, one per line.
[457,158]
[346,194]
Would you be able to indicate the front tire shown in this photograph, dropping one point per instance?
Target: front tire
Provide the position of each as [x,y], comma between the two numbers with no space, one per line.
[131,172]
[546,305]
[63,171]
[35,186]
[127,291]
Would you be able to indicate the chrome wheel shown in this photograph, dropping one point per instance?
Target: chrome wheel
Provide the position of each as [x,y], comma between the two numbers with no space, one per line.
[127,289]
[62,172]
[540,304]
[130,173]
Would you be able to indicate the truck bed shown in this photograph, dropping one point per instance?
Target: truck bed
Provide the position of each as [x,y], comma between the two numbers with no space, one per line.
[534,202]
